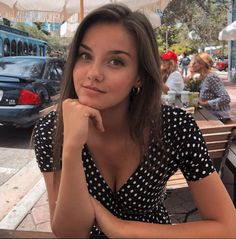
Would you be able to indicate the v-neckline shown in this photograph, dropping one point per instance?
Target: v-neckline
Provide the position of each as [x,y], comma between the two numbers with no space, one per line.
[105,182]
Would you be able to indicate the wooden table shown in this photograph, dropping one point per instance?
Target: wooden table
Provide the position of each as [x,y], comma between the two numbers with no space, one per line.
[202,115]
[205,119]
[24,234]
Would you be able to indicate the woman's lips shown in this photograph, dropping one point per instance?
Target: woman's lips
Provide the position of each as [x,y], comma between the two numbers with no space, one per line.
[95,89]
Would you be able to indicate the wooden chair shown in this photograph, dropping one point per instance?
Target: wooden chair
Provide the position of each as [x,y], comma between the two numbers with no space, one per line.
[218,139]
[231,165]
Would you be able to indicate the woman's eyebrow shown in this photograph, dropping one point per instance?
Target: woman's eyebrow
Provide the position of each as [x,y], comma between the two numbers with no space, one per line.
[86,47]
[116,52]
[120,52]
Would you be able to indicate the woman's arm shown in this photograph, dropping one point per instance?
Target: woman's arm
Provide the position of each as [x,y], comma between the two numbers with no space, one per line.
[72,214]
[175,82]
[216,87]
[216,209]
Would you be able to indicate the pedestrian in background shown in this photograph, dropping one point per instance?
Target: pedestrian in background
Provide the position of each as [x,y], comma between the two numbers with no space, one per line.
[184,62]
[213,94]
[171,76]
[109,150]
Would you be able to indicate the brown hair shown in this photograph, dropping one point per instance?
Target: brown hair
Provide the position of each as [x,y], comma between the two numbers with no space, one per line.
[145,106]
[166,72]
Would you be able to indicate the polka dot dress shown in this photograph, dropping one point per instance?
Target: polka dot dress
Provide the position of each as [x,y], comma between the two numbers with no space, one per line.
[141,197]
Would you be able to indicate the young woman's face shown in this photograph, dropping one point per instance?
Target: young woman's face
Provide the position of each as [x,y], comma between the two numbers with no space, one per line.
[197,66]
[107,67]
[165,64]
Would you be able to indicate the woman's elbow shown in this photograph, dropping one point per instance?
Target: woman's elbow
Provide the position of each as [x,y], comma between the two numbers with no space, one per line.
[231,228]
[62,231]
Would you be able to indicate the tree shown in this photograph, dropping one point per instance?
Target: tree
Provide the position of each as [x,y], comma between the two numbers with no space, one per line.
[204,19]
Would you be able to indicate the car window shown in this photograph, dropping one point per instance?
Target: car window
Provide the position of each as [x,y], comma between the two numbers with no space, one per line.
[27,68]
[55,71]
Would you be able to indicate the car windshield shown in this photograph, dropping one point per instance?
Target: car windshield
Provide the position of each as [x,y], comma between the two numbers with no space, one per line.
[25,68]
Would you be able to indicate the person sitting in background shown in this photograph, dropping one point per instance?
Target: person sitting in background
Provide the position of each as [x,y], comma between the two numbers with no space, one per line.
[171,77]
[213,94]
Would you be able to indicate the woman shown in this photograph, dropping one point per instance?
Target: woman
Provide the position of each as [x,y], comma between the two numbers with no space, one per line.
[213,94]
[171,76]
[112,146]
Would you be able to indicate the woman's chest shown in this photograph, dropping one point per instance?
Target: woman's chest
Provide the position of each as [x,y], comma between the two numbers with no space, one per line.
[116,163]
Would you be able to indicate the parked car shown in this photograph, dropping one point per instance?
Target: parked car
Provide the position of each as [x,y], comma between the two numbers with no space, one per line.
[222,65]
[29,88]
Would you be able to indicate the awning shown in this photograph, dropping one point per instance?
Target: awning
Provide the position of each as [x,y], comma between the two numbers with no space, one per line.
[228,33]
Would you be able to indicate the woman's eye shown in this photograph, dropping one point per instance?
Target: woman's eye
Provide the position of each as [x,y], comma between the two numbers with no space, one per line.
[84,56]
[117,62]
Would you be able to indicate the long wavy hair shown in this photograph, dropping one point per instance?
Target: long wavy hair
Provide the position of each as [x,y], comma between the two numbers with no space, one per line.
[166,72]
[145,106]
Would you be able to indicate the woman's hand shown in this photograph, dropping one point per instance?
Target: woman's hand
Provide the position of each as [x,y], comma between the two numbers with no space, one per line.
[76,122]
[203,102]
[110,225]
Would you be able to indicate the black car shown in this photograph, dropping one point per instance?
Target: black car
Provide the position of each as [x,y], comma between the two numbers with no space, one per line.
[29,88]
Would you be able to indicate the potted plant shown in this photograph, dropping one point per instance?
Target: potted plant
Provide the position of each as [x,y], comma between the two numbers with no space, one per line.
[193,86]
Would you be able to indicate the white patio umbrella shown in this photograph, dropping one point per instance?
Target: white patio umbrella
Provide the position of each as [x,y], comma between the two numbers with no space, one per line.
[61,10]
[228,33]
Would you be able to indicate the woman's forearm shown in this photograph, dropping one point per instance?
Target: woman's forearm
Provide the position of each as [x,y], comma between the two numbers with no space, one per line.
[74,214]
[198,229]
[114,227]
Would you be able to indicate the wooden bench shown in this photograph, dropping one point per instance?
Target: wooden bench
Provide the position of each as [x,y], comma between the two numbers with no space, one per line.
[216,139]
[231,164]
[220,144]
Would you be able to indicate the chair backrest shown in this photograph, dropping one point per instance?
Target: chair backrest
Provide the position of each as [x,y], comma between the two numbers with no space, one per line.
[218,140]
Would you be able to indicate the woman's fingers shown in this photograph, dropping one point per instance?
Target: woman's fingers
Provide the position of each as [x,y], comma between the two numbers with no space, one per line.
[84,110]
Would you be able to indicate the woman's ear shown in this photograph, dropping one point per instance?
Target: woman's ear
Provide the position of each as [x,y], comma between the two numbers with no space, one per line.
[138,83]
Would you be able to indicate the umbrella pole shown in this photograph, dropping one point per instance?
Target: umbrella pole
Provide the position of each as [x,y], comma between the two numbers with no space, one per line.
[81,14]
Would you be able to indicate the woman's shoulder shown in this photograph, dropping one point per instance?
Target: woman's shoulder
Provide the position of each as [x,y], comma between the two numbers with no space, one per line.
[212,76]
[43,141]
[47,121]
[175,117]
[176,73]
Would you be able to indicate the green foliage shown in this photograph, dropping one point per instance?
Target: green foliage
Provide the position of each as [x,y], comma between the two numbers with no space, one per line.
[206,18]
[194,84]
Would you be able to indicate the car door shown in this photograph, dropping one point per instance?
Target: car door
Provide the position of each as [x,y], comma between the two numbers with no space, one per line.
[53,77]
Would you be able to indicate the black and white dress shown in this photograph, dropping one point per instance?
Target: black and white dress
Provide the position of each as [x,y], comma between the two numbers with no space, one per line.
[141,197]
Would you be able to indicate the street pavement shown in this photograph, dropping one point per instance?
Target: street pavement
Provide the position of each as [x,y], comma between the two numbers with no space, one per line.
[31,213]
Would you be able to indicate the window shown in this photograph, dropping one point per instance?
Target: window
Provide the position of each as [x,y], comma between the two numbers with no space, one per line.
[20,49]
[13,48]
[6,47]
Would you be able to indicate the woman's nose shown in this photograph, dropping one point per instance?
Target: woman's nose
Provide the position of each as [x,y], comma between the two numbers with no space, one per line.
[95,73]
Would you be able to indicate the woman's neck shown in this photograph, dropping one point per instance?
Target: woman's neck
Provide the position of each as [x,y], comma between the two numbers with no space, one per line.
[115,121]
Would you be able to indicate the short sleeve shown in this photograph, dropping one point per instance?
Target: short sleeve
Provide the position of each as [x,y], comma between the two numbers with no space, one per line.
[42,140]
[195,162]
[175,82]
[186,144]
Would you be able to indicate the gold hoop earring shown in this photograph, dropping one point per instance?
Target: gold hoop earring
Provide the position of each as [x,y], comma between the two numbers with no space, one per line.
[136,90]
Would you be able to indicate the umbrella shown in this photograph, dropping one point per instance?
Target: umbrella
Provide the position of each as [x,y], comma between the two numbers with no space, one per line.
[228,33]
[61,10]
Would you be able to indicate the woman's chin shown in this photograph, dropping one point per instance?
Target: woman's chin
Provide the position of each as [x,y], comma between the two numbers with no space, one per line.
[88,103]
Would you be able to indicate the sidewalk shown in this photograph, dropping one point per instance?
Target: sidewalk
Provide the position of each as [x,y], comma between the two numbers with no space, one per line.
[177,202]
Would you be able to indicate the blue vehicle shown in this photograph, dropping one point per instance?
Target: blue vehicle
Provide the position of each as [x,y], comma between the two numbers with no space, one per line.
[29,88]
[14,42]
